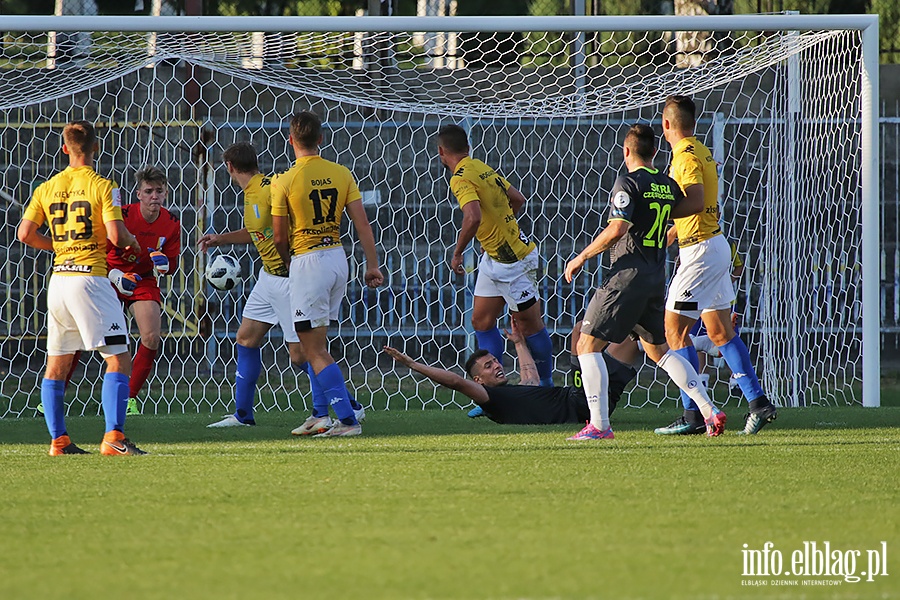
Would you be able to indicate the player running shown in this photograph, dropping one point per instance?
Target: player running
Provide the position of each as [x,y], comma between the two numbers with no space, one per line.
[632,296]
[701,287]
[268,304]
[508,268]
[82,210]
[308,204]
[159,233]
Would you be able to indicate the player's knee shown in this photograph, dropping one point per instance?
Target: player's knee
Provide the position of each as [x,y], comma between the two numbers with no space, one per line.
[483,322]
[529,321]
[119,363]
[298,357]
[151,340]
[588,344]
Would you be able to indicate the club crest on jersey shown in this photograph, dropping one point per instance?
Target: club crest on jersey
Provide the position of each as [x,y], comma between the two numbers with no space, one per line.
[621,200]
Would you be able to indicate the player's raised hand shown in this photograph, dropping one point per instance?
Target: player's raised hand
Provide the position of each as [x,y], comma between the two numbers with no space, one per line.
[513,334]
[572,268]
[373,277]
[456,263]
[209,240]
[124,282]
[160,262]
[401,358]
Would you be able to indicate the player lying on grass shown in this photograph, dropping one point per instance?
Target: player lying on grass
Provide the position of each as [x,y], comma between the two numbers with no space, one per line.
[525,403]
[268,303]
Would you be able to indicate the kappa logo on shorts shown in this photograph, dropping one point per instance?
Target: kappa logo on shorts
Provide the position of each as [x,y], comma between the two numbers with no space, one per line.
[686,294]
[114,327]
[523,295]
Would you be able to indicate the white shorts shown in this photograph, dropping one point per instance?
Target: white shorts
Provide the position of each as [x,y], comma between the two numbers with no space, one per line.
[702,282]
[517,282]
[318,286]
[84,313]
[269,303]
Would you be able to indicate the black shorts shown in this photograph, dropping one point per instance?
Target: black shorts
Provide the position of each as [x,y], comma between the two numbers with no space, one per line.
[629,300]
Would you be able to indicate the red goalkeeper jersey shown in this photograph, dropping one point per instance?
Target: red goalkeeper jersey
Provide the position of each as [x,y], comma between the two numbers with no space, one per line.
[163,234]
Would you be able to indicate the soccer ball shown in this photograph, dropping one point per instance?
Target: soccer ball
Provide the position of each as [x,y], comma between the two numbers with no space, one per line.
[224,272]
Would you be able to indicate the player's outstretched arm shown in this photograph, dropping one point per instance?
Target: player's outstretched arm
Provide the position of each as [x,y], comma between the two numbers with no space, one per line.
[473,390]
[120,237]
[516,199]
[214,240]
[29,235]
[357,214]
[470,224]
[528,373]
[603,242]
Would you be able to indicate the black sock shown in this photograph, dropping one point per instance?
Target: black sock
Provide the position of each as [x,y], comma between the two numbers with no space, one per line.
[694,417]
[759,403]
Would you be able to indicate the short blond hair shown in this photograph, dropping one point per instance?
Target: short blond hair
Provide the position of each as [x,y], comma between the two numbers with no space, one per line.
[79,138]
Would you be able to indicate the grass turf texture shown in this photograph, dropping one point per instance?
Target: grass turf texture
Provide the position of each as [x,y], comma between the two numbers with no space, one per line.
[431,504]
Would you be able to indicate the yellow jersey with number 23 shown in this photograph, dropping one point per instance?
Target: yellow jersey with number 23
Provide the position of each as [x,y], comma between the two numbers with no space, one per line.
[76,203]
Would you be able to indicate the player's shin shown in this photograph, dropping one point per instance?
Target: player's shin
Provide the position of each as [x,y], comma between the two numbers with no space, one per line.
[738,359]
[689,353]
[140,370]
[249,366]
[52,393]
[335,391]
[595,379]
[492,341]
[114,397]
[541,347]
[685,376]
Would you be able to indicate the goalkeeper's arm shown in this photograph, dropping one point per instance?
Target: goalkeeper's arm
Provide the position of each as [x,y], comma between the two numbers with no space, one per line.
[213,240]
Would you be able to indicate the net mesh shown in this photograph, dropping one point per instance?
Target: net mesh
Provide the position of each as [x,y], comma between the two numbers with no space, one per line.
[780,111]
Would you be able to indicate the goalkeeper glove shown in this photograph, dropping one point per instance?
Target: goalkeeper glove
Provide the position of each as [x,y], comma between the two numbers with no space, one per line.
[160,262]
[124,282]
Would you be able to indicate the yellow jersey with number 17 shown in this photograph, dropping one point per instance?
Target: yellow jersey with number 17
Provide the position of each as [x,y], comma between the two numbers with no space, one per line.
[692,163]
[313,193]
[76,204]
[258,221]
[499,233]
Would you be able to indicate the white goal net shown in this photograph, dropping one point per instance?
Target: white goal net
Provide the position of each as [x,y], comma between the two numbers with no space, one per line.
[781,111]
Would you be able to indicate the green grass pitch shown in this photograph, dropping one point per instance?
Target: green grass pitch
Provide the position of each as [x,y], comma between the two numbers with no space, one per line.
[430,504]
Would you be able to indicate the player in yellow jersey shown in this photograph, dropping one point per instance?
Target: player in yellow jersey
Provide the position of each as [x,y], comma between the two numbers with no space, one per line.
[266,307]
[82,209]
[308,204]
[702,287]
[508,268]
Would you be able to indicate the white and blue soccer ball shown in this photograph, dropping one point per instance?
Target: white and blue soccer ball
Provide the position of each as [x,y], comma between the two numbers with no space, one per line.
[224,272]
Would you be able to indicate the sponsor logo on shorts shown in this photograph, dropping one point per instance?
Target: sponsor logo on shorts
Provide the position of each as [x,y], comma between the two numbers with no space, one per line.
[114,327]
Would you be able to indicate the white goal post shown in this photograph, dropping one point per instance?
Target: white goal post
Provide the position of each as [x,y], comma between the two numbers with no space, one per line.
[788,104]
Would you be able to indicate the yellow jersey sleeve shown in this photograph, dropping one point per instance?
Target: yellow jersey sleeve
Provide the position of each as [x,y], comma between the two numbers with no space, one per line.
[111,200]
[464,190]
[279,196]
[35,210]
[687,170]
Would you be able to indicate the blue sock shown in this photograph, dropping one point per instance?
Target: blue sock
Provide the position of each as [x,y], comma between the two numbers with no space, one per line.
[737,356]
[249,366]
[52,394]
[320,404]
[689,353]
[335,392]
[114,397]
[542,351]
[492,341]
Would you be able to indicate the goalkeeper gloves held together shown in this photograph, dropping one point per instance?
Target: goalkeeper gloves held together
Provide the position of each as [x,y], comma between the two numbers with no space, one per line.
[124,282]
[160,262]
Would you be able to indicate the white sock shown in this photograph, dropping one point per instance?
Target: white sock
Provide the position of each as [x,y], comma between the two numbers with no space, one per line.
[595,380]
[685,377]
[703,344]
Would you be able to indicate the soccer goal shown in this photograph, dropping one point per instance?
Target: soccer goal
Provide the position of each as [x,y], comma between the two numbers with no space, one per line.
[788,104]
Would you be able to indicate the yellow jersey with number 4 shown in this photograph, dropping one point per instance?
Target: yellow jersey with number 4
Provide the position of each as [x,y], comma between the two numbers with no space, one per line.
[499,233]
[313,194]
[693,164]
[258,221]
[76,204]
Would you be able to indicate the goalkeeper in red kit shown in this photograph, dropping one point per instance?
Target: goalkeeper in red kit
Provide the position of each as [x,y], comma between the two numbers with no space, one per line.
[159,234]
